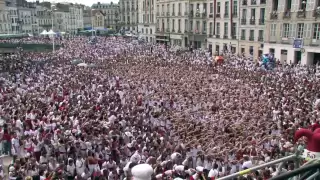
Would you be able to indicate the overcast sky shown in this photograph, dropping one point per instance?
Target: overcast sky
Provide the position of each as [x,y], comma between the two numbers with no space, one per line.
[85,2]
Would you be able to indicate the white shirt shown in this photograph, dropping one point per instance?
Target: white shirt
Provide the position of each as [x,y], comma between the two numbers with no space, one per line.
[247,164]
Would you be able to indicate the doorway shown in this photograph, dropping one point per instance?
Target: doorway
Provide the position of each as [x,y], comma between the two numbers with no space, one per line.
[210,49]
[217,49]
[297,57]
[316,58]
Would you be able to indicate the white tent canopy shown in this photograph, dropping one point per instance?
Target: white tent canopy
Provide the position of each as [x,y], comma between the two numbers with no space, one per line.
[51,32]
[44,32]
[82,65]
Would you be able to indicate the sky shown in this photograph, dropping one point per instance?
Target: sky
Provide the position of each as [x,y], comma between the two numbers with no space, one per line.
[85,2]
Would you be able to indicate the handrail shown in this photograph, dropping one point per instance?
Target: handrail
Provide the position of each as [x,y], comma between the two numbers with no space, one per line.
[231,176]
[297,171]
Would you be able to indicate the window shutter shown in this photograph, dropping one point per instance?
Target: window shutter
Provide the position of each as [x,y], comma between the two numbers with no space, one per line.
[309,28]
[310,5]
[281,6]
[281,30]
[294,30]
[294,5]
[305,30]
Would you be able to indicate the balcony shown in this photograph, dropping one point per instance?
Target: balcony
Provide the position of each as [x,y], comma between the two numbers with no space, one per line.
[179,31]
[263,1]
[218,36]
[251,38]
[244,2]
[253,2]
[225,36]
[173,14]
[191,14]
[185,31]
[301,13]
[287,14]
[210,15]
[158,14]
[186,13]
[260,39]
[218,15]
[261,21]
[158,30]
[173,30]
[204,15]
[316,12]
[243,21]
[210,35]
[168,14]
[179,13]
[226,15]
[234,14]
[162,13]
[274,15]
[197,14]
[252,21]
[233,37]
[243,38]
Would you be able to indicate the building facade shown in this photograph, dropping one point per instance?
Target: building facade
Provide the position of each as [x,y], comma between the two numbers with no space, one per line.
[111,12]
[293,31]
[129,15]
[5,21]
[223,25]
[252,27]
[98,19]
[147,20]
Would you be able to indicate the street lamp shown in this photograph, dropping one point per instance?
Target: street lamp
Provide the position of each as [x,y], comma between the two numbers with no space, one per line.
[53,7]
[92,22]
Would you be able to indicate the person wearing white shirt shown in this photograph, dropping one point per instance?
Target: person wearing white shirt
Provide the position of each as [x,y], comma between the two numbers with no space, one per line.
[80,166]
[247,163]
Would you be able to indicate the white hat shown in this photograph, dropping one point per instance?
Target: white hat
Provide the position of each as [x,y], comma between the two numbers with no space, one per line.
[142,172]
[177,178]
[199,168]
[179,168]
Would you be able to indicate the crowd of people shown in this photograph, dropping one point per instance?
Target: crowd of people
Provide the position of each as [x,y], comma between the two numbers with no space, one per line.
[141,104]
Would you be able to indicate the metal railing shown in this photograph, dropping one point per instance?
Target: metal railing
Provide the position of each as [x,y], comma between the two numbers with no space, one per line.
[295,157]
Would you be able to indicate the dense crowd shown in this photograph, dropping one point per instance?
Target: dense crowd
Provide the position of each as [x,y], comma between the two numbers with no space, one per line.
[140,104]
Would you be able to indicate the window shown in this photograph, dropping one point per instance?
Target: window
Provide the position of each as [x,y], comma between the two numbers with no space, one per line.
[275,5]
[210,28]
[186,25]
[285,31]
[173,22]
[235,8]
[234,29]
[302,5]
[316,31]
[300,30]
[288,4]
[218,28]
[226,8]
[244,14]
[260,33]
[243,33]
[179,24]
[225,29]
[251,33]
[168,7]
[179,8]
[273,28]
[197,26]
[204,26]
[218,7]
[211,8]
[191,26]
[173,6]
[253,13]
